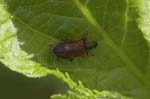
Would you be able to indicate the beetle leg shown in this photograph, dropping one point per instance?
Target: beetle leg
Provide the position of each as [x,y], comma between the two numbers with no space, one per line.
[71,59]
[85,37]
[87,53]
[90,54]
[63,40]
[57,58]
[50,45]
[84,40]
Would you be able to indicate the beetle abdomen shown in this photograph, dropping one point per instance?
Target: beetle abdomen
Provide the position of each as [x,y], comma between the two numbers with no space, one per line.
[69,49]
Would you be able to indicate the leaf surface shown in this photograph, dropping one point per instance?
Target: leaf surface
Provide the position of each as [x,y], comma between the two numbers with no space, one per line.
[119,62]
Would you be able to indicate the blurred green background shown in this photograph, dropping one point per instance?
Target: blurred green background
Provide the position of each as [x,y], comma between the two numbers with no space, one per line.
[16,86]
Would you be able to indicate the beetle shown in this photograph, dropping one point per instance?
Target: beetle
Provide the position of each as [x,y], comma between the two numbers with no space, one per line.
[71,49]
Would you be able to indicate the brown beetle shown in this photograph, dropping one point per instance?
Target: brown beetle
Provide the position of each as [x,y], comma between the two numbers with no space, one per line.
[71,49]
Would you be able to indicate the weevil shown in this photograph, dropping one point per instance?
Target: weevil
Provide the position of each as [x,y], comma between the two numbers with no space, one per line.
[71,49]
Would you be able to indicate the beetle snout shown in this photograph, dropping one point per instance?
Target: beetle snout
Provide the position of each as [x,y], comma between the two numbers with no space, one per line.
[95,44]
[91,45]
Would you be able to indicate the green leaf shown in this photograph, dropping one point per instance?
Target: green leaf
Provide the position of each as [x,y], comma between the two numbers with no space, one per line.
[143,23]
[18,60]
[144,19]
[73,95]
[118,64]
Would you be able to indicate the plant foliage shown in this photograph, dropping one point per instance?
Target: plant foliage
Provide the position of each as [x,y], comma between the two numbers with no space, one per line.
[121,64]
